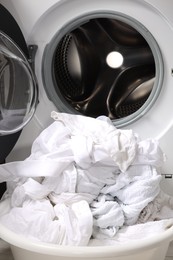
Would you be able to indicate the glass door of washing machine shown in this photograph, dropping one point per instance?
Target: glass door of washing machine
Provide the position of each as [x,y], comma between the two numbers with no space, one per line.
[18,88]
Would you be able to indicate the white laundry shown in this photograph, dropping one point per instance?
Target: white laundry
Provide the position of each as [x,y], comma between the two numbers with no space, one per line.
[31,189]
[68,198]
[134,189]
[40,221]
[128,234]
[84,178]
[78,223]
[5,206]
[137,195]
[102,133]
[157,209]
[108,216]
[149,153]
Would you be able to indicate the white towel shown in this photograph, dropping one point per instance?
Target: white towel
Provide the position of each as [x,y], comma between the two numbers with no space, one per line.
[107,216]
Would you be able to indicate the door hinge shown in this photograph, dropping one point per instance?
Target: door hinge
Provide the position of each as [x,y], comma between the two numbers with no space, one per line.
[32,49]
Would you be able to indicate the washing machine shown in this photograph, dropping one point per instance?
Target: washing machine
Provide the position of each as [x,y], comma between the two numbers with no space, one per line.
[93,57]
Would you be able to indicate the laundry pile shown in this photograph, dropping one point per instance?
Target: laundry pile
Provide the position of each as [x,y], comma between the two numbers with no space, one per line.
[86,183]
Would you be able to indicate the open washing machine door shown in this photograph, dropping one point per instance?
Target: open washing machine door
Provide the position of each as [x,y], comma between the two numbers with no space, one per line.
[18,88]
[18,91]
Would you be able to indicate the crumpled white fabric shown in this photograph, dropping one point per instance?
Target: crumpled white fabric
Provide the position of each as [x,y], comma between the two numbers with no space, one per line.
[157,209]
[134,189]
[135,232]
[99,135]
[108,216]
[83,176]
[39,220]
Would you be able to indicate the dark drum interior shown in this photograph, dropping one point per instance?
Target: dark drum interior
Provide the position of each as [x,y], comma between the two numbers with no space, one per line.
[85,80]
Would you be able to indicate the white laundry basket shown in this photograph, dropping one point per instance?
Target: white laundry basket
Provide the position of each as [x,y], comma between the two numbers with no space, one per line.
[153,248]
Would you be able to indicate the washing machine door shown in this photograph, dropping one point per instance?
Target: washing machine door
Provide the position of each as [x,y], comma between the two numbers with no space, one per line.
[18,88]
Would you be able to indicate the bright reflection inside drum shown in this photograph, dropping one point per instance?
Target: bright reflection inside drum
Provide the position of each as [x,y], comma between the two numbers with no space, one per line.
[114,59]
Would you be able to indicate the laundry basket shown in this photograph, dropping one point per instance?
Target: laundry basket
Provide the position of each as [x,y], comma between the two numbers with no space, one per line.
[153,248]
